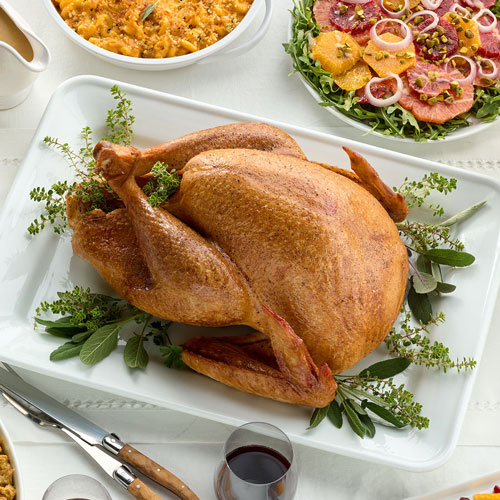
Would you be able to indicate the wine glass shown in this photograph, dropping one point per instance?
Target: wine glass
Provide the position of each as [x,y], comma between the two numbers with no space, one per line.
[76,487]
[257,464]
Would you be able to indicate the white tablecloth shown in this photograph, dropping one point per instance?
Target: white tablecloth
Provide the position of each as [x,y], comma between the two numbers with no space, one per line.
[255,83]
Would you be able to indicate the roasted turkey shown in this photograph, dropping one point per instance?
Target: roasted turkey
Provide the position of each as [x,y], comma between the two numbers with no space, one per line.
[306,254]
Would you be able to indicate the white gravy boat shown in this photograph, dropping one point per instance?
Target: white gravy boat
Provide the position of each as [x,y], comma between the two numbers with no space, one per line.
[23,56]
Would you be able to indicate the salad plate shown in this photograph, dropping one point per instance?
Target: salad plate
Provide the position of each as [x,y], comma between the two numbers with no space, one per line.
[401,120]
[34,269]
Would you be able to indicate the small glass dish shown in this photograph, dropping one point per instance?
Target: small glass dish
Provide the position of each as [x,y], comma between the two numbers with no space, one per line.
[257,464]
[76,487]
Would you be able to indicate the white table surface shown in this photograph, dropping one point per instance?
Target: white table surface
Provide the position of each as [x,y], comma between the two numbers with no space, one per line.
[257,83]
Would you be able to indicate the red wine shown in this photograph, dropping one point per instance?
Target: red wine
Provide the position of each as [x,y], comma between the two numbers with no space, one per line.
[257,464]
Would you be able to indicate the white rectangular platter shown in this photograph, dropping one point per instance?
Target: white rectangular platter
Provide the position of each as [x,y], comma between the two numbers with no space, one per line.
[482,484]
[34,269]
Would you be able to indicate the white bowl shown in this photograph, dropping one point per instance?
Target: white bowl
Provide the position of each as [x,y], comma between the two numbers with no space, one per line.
[8,449]
[475,127]
[208,54]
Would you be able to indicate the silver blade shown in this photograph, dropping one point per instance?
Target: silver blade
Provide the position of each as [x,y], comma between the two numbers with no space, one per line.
[56,411]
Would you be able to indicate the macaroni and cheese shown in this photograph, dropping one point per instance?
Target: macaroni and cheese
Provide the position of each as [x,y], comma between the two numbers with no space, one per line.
[142,28]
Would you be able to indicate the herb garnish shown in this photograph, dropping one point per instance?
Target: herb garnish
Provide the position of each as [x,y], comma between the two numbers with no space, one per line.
[90,187]
[149,10]
[91,324]
[390,120]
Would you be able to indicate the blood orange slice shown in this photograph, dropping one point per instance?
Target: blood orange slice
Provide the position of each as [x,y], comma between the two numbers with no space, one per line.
[427,78]
[438,43]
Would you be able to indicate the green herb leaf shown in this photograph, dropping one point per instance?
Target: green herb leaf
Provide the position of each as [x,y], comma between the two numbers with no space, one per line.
[424,264]
[450,257]
[101,344]
[353,419]
[334,414]
[420,306]
[445,287]
[173,356]
[317,417]
[135,355]
[163,185]
[424,283]
[385,414]
[66,351]
[369,426]
[59,324]
[464,215]
[386,369]
[148,11]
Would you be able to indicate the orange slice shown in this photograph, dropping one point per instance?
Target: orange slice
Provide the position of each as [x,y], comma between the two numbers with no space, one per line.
[336,51]
[358,76]
[486,496]
[384,62]
[469,40]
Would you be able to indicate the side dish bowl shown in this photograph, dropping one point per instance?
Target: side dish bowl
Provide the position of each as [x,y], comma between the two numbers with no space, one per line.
[8,449]
[226,47]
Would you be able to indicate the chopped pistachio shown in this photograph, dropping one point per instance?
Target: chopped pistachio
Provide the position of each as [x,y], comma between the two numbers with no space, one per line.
[474,47]
[432,101]
[444,39]
[423,97]
[419,82]
[449,100]
[468,33]
[486,80]
[418,20]
[463,50]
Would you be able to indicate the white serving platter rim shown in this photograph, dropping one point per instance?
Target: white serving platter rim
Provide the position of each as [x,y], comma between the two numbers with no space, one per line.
[476,125]
[390,447]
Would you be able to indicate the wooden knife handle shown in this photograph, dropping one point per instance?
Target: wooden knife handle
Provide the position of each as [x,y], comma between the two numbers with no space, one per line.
[156,472]
[139,490]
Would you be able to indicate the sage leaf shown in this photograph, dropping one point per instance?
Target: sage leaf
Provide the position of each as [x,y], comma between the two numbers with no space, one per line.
[385,414]
[80,337]
[100,345]
[357,408]
[334,414]
[386,369]
[450,257]
[420,306]
[58,324]
[463,215]
[436,271]
[424,264]
[134,355]
[317,417]
[66,351]
[63,333]
[353,419]
[369,425]
[445,287]
[424,283]
[147,12]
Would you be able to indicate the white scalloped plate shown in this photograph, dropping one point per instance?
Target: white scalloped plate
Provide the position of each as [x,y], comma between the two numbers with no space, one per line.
[34,269]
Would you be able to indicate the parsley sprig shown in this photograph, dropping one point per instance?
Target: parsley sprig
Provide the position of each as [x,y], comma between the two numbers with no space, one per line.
[390,120]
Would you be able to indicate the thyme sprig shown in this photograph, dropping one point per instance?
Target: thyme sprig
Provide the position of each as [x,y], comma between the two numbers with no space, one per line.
[90,187]
[414,343]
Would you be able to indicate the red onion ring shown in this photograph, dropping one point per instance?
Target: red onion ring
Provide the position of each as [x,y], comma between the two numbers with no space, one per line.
[473,69]
[395,14]
[356,1]
[435,19]
[461,10]
[380,103]
[493,75]
[431,4]
[391,47]
[475,4]
[482,27]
